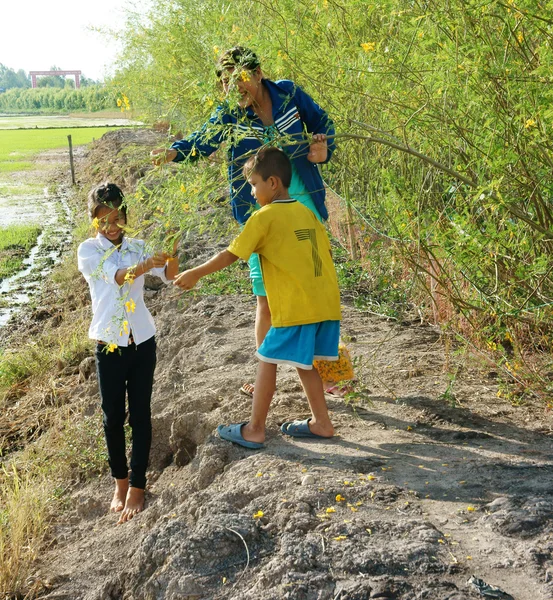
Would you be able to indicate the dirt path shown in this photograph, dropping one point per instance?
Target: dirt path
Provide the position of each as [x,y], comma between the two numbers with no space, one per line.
[432,493]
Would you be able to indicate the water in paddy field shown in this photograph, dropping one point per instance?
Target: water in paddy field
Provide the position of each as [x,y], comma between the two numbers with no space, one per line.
[54,216]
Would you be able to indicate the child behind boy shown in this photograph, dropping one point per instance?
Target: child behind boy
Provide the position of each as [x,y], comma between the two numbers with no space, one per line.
[302,292]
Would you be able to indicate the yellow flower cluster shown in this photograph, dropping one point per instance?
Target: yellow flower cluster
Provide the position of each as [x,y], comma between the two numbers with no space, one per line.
[368,46]
[111,347]
[130,276]
[123,103]
[245,76]
[130,305]
[334,371]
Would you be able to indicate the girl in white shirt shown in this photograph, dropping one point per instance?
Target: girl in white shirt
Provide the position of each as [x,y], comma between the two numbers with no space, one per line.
[124,330]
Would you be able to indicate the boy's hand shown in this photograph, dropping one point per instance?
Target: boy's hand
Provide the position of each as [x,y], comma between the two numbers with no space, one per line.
[186,280]
[161,156]
[318,149]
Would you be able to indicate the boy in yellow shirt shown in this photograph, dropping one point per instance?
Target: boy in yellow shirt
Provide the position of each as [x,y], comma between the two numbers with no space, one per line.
[302,292]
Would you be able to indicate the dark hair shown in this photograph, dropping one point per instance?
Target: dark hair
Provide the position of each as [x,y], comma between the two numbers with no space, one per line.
[237,57]
[106,195]
[270,162]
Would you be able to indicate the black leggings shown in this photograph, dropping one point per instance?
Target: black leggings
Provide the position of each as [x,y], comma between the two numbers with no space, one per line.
[127,370]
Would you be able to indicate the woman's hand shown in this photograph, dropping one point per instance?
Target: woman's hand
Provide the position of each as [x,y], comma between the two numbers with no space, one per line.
[318,149]
[160,156]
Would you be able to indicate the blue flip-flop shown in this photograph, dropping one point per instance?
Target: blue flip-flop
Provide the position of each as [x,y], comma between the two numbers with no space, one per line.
[233,433]
[300,429]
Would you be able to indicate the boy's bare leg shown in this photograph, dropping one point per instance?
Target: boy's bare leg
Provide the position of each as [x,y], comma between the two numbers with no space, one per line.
[313,387]
[134,504]
[265,383]
[119,495]
[262,320]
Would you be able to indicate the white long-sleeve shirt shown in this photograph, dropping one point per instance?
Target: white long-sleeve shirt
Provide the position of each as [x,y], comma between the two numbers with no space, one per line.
[99,260]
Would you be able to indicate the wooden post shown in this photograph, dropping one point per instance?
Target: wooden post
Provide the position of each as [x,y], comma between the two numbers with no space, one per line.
[351,233]
[71,160]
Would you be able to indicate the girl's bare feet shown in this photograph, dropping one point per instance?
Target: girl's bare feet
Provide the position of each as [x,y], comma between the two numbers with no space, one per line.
[119,495]
[133,504]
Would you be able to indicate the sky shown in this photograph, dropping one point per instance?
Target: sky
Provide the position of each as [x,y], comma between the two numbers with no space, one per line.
[37,34]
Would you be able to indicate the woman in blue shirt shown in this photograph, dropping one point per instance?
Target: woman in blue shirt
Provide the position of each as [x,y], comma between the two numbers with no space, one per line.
[266,112]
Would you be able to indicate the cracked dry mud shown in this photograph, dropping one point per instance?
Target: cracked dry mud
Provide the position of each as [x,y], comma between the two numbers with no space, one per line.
[432,492]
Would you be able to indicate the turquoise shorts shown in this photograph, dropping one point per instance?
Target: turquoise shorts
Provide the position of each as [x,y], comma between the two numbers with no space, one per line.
[300,345]
[256,276]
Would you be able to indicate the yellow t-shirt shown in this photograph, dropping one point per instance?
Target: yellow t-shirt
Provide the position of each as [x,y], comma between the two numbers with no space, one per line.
[298,271]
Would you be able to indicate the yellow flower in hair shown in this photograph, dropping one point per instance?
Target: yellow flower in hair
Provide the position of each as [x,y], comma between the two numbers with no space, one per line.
[96,223]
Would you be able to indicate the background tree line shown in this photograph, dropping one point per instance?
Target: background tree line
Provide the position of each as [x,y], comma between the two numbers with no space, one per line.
[444,119]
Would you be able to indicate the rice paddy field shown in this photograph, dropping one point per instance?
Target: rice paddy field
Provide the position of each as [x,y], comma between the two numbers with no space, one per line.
[18,145]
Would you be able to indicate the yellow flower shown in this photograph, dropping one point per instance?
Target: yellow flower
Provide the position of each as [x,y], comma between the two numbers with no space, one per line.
[259,474]
[182,188]
[130,305]
[185,207]
[245,76]
[209,102]
[341,538]
[529,123]
[96,223]
[119,103]
[258,514]
[215,49]
[126,327]
[368,46]
[471,508]
[111,347]
[340,498]
[129,276]
[331,510]
[193,153]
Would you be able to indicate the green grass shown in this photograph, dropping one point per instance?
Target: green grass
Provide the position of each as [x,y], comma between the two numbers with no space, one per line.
[18,145]
[16,242]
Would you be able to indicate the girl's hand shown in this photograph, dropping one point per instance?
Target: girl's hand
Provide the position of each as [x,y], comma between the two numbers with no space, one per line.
[318,149]
[186,280]
[158,260]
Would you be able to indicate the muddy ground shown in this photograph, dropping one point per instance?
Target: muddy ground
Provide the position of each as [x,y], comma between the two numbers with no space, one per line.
[414,495]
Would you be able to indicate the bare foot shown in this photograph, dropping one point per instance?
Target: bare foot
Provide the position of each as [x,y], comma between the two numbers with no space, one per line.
[119,495]
[133,504]
[250,434]
[324,429]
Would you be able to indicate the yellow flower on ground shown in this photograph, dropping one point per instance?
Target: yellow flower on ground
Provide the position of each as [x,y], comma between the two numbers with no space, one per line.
[258,514]
[111,347]
[130,305]
[182,188]
[340,498]
[471,508]
[331,510]
[368,46]
[529,123]
[341,538]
